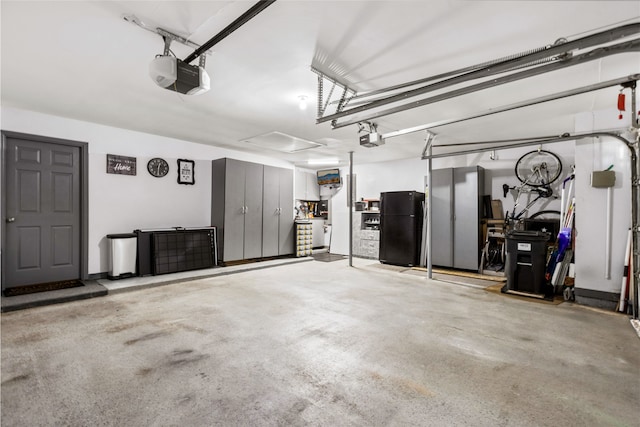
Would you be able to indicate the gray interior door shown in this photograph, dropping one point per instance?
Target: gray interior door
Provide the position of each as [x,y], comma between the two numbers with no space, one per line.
[42,213]
[285,229]
[270,211]
[442,212]
[253,214]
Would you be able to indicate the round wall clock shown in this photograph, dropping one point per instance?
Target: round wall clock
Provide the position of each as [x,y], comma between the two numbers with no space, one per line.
[158,167]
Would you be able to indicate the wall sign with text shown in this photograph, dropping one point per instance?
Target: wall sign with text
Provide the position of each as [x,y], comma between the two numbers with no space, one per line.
[186,171]
[121,165]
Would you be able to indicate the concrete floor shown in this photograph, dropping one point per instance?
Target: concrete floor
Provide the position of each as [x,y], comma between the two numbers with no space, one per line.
[318,343]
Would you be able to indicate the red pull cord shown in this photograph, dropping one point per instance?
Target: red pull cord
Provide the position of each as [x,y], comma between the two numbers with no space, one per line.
[621,102]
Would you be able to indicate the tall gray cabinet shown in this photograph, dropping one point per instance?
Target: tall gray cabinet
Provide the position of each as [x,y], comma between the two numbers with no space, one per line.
[456,195]
[277,212]
[236,209]
[249,201]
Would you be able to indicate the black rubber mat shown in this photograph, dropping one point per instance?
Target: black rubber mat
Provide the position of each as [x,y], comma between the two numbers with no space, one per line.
[41,287]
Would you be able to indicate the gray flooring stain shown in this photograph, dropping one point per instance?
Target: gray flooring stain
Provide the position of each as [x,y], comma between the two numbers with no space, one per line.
[146,337]
[144,371]
[120,328]
[17,378]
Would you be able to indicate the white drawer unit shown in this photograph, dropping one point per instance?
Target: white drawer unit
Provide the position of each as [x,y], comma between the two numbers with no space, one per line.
[304,239]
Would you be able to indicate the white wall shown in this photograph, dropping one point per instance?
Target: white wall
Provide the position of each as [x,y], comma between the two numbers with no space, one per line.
[375,178]
[119,203]
[598,154]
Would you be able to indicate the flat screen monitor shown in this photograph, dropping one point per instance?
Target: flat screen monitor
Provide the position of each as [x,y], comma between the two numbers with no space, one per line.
[329,177]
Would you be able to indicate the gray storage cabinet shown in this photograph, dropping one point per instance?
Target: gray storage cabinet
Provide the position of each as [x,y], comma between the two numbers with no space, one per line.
[456,208]
[236,209]
[277,212]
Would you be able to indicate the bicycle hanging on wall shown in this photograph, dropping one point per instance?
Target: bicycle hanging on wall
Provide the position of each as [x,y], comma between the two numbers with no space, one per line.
[536,171]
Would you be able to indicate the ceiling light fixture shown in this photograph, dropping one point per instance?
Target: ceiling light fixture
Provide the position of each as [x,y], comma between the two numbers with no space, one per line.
[302,104]
[323,162]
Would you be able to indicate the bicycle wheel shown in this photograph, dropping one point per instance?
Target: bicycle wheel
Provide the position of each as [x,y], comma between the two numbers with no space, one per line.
[545,215]
[538,168]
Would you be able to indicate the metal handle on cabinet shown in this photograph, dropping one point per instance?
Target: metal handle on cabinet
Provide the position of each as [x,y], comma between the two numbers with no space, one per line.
[12,219]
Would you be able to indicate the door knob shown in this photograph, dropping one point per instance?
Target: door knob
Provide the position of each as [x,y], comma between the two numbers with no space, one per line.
[12,219]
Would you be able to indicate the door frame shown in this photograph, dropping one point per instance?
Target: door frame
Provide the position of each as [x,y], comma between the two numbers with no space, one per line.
[84,195]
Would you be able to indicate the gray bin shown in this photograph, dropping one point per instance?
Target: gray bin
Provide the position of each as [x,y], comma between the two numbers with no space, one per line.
[526,262]
[123,249]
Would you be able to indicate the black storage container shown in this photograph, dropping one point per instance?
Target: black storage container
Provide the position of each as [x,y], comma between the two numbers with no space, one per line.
[547,225]
[526,262]
[162,251]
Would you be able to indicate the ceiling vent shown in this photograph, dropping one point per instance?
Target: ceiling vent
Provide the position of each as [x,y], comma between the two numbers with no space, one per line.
[282,142]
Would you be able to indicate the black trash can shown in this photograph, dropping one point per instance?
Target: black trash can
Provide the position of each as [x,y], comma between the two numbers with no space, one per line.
[526,262]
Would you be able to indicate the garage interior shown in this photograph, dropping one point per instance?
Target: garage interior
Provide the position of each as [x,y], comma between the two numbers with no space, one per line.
[293,213]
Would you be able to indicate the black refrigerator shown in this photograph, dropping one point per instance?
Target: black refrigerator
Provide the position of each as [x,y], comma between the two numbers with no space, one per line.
[401,216]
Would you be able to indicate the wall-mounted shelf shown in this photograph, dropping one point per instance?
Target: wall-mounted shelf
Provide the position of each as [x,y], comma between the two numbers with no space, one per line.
[370,220]
[368,205]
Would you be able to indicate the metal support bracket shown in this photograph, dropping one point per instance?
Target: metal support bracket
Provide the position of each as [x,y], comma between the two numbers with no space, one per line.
[323,102]
[368,127]
[162,32]
[167,45]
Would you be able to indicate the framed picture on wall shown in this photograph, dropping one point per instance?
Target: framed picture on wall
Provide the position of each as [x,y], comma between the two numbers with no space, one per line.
[186,172]
[121,165]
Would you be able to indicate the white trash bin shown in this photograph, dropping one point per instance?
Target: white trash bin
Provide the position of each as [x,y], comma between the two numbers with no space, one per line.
[123,249]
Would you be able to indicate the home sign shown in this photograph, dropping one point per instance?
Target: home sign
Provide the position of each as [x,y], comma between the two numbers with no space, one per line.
[121,165]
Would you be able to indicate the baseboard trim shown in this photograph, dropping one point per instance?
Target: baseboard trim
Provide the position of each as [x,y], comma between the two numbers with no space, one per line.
[591,293]
[598,299]
[96,276]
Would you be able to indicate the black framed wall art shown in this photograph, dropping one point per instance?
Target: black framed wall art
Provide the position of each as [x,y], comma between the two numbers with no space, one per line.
[186,172]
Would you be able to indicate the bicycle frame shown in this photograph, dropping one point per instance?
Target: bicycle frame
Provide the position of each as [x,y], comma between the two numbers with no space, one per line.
[544,192]
[526,208]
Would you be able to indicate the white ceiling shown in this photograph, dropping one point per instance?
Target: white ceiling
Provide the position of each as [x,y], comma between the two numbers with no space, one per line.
[82,60]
